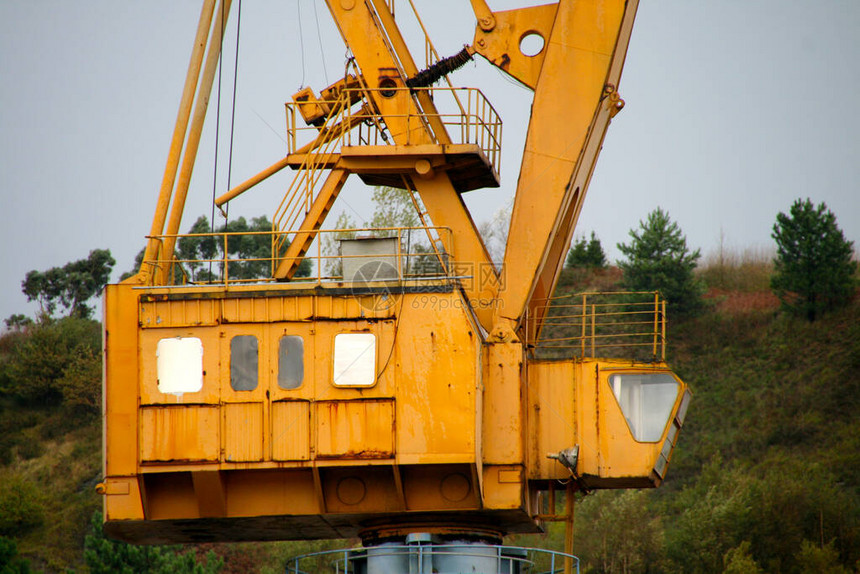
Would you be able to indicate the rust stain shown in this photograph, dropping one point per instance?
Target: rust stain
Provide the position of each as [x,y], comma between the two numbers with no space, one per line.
[361,454]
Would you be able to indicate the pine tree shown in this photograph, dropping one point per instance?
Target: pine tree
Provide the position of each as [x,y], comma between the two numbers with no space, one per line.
[813,270]
[586,253]
[658,260]
[105,556]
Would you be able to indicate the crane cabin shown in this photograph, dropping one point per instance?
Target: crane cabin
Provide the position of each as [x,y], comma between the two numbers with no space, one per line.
[401,382]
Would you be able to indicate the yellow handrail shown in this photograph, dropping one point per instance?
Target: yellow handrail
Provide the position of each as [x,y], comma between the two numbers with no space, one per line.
[609,324]
[413,260]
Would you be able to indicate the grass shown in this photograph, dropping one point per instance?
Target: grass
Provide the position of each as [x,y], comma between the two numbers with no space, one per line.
[62,463]
[745,271]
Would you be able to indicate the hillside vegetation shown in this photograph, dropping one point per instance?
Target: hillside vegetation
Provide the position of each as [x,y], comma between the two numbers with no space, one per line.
[766,477]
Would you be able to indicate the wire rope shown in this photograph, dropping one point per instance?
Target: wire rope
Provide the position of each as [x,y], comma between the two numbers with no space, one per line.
[233,110]
[301,40]
[319,39]
[217,128]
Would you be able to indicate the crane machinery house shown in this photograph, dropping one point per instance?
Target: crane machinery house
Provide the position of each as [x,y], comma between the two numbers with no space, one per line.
[249,403]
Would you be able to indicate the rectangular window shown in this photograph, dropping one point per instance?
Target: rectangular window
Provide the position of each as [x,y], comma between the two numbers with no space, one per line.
[646,399]
[243,363]
[179,365]
[291,362]
[354,359]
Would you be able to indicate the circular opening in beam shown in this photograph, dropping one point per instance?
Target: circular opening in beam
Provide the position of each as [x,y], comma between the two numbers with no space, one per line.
[387,87]
[531,44]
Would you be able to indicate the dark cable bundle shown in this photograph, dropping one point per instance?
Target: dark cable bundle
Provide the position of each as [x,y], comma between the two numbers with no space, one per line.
[444,66]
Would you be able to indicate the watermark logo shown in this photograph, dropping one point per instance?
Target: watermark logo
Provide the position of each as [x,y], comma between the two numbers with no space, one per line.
[372,282]
[371,285]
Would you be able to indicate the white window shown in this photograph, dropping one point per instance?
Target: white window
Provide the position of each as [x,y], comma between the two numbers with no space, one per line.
[646,399]
[354,359]
[179,365]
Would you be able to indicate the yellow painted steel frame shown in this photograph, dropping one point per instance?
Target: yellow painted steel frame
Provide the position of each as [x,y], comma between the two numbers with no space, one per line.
[446,433]
[446,420]
[326,460]
[574,77]
[368,28]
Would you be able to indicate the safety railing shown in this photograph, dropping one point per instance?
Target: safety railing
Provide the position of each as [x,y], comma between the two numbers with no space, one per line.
[302,190]
[363,255]
[429,558]
[606,325]
[467,115]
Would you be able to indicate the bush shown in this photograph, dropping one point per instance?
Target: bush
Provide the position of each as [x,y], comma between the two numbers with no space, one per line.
[20,506]
[81,382]
[104,556]
[36,362]
[10,562]
[739,561]
[823,560]
[617,532]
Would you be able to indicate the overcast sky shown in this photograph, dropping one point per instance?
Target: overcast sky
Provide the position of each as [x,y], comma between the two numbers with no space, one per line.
[735,108]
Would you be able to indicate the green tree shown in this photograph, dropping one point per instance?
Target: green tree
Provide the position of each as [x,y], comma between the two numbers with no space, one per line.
[392,208]
[18,322]
[740,561]
[586,253]
[658,260]
[70,286]
[616,532]
[813,270]
[822,560]
[248,246]
[105,556]
[10,562]
[80,383]
[52,361]
[21,508]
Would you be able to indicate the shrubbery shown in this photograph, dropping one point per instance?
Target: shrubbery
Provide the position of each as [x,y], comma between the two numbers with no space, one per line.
[55,362]
[105,556]
[20,505]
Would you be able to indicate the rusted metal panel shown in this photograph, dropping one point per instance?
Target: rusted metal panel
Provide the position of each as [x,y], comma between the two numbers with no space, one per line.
[120,390]
[243,432]
[290,308]
[503,424]
[124,499]
[355,429]
[148,360]
[271,493]
[210,492]
[439,487]
[179,433]
[245,310]
[291,430]
[198,312]
[551,418]
[437,370]
[360,489]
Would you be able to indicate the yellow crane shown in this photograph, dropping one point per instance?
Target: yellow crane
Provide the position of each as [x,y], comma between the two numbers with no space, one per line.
[398,392]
